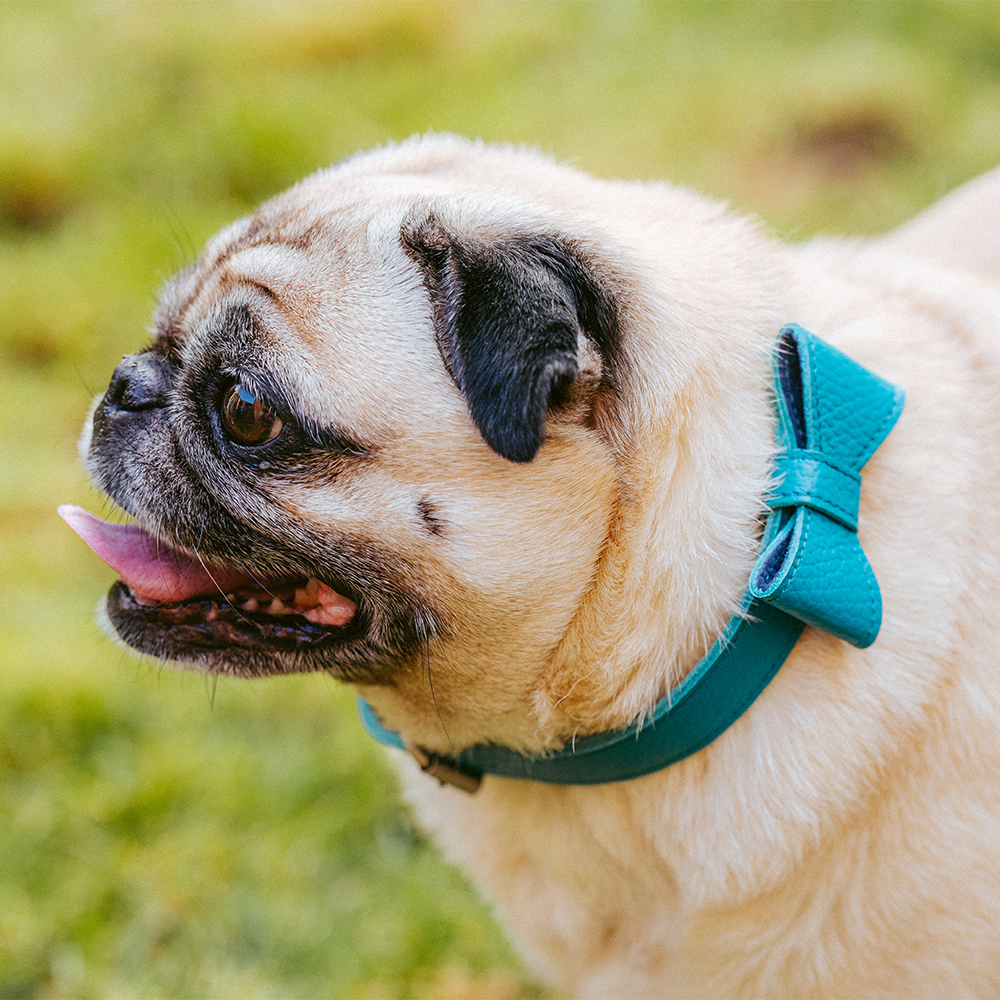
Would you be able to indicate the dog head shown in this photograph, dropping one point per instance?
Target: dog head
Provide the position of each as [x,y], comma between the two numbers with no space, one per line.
[392,427]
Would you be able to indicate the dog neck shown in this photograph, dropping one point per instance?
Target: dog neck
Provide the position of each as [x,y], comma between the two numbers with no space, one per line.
[831,415]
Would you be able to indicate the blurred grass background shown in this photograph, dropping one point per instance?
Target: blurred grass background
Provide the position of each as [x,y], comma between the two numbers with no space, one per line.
[166,836]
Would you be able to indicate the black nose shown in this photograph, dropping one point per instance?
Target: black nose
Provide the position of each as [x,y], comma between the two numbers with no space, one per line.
[140,382]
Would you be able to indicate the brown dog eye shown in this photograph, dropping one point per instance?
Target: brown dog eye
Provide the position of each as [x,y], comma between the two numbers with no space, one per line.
[247,417]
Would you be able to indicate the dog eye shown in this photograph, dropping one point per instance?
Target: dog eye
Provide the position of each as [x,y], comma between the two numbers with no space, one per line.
[247,417]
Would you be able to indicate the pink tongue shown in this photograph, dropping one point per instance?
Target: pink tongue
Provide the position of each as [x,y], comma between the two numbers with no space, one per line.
[151,569]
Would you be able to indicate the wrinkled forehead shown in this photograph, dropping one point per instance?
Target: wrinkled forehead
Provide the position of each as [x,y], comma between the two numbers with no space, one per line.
[321,296]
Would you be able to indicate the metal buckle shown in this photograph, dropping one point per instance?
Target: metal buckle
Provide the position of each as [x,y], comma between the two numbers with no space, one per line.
[446,774]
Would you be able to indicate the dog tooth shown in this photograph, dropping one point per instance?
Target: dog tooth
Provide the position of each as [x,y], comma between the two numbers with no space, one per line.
[307,596]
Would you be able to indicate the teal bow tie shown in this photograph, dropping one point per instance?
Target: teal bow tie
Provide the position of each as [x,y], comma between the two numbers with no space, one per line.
[832,415]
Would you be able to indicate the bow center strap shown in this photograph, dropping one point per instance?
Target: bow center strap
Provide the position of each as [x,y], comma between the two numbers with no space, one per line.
[810,479]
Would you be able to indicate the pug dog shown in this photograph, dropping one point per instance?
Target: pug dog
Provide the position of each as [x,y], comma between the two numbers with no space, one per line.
[495,443]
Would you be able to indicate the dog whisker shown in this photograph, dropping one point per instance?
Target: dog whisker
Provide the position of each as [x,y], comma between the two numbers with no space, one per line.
[426,628]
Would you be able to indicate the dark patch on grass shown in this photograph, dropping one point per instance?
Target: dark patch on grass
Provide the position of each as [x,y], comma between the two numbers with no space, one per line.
[31,202]
[851,142]
[31,347]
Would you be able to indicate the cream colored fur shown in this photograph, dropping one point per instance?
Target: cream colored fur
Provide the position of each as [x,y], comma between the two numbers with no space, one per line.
[842,839]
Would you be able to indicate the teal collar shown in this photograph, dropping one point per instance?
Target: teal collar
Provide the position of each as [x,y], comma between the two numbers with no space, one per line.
[832,415]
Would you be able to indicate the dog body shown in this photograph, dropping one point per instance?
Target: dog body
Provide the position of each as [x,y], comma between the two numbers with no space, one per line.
[518,423]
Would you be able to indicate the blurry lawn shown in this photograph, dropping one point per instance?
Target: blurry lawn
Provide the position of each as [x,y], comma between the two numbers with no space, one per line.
[161,836]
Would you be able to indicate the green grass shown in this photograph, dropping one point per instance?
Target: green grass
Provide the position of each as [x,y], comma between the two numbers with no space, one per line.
[161,836]
[166,840]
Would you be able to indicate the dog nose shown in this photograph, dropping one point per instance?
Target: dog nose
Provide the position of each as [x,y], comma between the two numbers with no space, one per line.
[140,382]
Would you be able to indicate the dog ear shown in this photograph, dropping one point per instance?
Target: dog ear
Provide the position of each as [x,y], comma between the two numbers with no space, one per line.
[509,313]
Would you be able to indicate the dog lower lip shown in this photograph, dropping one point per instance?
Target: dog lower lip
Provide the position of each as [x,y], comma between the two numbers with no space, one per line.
[223,622]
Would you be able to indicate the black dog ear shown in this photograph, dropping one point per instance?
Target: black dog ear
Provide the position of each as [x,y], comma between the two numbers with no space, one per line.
[508,313]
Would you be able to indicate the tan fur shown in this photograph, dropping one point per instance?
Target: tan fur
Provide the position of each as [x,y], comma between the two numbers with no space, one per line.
[842,839]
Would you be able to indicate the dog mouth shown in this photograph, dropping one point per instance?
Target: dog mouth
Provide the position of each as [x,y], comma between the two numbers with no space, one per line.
[202,605]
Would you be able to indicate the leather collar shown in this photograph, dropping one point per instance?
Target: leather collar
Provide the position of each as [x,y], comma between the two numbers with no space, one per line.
[831,415]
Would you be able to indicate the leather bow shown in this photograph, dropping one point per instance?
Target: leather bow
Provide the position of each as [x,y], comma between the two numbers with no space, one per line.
[832,415]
